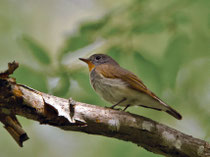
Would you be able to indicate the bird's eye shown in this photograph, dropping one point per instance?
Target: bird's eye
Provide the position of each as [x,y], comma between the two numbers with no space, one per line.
[98,57]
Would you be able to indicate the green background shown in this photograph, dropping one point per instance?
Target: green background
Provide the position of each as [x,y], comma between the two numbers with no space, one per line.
[166,43]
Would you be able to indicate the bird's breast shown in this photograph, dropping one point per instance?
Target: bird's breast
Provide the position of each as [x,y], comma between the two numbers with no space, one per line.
[111,89]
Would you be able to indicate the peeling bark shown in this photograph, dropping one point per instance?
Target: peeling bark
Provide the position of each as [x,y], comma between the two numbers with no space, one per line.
[66,114]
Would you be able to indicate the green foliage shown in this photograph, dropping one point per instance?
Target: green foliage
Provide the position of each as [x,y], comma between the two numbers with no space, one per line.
[76,42]
[149,28]
[166,43]
[175,55]
[37,50]
[149,72]
[32,78]
[84,36]
[93,27]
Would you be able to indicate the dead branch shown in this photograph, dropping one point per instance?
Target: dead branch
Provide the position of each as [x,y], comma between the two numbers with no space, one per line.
[16,99]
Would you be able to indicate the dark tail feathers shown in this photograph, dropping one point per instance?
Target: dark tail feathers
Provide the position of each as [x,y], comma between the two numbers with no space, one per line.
[174,113]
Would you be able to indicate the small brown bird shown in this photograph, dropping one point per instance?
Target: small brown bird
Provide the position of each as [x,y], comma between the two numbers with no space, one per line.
[121,87]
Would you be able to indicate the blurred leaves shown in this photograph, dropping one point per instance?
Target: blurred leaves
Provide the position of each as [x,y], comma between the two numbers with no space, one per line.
[76,42]
[149,72]
[165,43]
[94,26]
[32,78]
[155,26]
[36,49]
[174,57]
[84,37]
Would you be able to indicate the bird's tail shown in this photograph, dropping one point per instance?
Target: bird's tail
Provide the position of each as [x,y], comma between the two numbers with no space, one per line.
[173,113]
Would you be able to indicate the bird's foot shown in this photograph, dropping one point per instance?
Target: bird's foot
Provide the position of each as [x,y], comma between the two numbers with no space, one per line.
[126,107]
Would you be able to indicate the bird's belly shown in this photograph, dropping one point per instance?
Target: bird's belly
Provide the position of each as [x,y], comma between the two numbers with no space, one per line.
[114,90]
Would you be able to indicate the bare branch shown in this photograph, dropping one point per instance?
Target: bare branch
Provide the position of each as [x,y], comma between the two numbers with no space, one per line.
[66,114]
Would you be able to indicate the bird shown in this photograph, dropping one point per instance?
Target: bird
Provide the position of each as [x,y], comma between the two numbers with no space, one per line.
[121,87]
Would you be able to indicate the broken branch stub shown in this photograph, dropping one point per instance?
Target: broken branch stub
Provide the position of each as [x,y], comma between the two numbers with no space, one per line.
[11,123]
[47,106]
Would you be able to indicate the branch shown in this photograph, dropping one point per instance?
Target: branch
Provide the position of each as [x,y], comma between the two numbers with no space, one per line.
[16,99]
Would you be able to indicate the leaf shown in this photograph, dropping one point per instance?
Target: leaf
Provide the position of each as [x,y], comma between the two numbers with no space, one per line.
[148,72]
[175,56]
[114,31]
[90,27]
[115,51]
[74,43]
[32,78]
[36,49]
[156,26]
[84,37]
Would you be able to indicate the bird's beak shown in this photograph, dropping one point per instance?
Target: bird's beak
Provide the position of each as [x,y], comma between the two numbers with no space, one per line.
[84,60]
[90,64]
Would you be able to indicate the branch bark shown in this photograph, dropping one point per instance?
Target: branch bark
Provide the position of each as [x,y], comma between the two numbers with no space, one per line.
[16,99]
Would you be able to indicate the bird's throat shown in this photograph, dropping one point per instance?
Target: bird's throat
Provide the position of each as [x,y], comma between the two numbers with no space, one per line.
[91,66]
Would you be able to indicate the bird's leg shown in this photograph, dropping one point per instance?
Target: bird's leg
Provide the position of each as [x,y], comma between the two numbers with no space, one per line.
[126,107]
[113,106]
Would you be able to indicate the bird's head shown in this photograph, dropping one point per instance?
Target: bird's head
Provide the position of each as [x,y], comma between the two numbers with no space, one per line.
[98,59]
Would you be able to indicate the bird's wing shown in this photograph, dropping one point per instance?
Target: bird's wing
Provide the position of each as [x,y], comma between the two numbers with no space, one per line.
[110,71]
